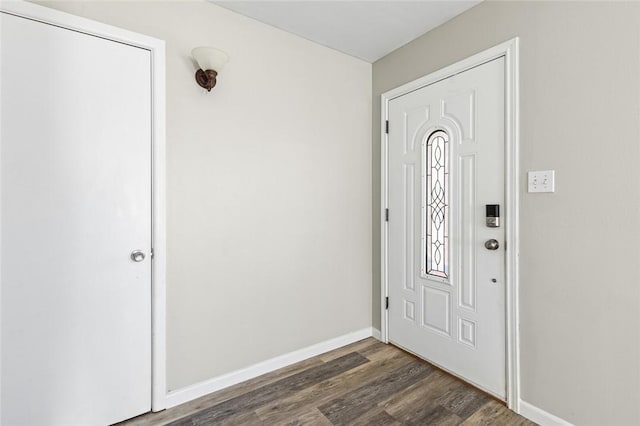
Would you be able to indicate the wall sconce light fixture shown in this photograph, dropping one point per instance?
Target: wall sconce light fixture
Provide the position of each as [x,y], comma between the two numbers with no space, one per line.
[211,61]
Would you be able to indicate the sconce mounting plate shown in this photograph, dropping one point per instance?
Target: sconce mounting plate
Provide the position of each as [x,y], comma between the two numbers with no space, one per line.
[206,79]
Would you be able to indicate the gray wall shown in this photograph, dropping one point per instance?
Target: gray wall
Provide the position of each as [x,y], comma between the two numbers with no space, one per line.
[268,188]
[580,115]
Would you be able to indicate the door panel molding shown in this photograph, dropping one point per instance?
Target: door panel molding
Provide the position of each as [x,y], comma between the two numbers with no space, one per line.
[508,50]
[156,47]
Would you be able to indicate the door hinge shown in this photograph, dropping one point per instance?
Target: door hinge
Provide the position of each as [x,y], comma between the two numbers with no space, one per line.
[386,127]
[386,302]
[152,253]
[386,215]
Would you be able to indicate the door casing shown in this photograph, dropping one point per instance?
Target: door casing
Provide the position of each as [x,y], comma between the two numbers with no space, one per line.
[508,50]
[158,201]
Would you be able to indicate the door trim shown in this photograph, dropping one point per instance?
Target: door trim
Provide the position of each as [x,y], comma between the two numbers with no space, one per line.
[158,140]
[510,51]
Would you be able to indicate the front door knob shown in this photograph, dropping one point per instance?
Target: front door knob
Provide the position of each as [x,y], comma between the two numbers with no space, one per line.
[492,244]
[137,256]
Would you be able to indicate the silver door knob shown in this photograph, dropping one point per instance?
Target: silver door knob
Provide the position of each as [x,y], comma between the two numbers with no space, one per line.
[491,244]
[137,256]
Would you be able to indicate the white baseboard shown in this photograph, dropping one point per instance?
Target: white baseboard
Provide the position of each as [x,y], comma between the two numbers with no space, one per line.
[540,416]
[375,333]
[189,393]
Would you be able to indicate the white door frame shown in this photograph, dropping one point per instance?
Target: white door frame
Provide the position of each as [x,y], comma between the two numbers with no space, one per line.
[158,202]
[508,50]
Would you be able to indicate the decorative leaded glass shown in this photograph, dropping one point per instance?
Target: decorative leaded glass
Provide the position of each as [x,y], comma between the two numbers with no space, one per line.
[437,203]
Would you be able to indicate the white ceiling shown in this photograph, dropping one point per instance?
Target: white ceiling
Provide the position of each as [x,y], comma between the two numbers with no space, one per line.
[365,29]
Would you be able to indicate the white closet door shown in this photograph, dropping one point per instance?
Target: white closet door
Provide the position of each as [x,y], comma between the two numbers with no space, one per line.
[76,202]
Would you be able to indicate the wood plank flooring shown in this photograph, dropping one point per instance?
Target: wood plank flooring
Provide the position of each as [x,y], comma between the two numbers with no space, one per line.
[365,383]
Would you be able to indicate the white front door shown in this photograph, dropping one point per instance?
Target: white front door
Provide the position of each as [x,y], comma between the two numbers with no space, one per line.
[446,167]
[76,202]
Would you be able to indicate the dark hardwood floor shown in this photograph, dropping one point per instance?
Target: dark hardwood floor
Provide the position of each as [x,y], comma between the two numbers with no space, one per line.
[365,383]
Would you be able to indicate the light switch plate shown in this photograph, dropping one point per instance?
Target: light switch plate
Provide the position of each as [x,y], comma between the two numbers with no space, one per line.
[542,181]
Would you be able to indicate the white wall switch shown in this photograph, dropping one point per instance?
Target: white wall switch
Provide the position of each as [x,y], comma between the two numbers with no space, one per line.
[542,181]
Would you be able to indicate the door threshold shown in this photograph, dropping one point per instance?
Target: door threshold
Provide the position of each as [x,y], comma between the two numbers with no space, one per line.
[450,373]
